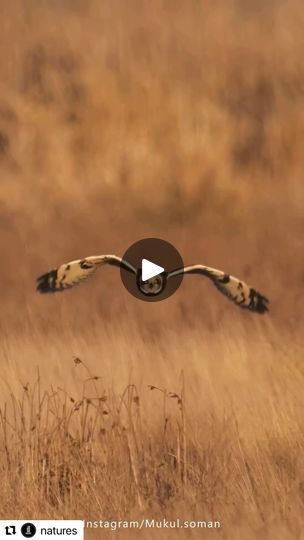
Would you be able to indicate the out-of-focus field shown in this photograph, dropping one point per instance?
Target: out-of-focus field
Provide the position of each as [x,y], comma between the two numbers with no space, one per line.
[123,120]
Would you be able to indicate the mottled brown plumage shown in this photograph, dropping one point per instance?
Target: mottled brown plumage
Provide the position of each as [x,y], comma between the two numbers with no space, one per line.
[70,274]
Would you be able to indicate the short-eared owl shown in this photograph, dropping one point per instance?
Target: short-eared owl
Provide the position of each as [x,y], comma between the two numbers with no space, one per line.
[70,274]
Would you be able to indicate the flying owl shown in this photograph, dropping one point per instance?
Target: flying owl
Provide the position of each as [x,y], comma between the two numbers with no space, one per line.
[72,273]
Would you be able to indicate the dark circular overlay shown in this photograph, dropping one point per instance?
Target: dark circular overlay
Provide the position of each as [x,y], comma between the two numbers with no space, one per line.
[158,252]
[28,530]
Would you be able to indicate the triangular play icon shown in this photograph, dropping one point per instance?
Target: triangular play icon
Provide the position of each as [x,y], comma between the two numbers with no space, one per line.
[150,269]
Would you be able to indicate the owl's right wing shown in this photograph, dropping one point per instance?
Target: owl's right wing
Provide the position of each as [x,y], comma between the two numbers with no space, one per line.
[72,273]
[236,290]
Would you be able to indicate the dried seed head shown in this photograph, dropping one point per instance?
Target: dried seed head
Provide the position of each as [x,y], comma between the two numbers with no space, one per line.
[174,395]
[78,405]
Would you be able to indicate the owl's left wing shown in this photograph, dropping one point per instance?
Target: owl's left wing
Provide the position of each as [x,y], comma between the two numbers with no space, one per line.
[236,290]
[72,273]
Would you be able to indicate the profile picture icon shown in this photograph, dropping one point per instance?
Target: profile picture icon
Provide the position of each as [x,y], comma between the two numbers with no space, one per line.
[28,530]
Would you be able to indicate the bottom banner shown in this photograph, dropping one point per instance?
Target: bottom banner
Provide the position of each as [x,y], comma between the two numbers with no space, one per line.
[18,530]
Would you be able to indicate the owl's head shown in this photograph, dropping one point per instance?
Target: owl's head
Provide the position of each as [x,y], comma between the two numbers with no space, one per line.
[153,286]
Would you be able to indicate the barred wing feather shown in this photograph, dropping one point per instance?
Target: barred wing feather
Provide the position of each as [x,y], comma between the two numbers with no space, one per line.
[236,290]
[70,274]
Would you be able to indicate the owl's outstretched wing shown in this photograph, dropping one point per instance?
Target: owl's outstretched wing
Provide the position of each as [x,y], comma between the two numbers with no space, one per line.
[72,273]
[235,289]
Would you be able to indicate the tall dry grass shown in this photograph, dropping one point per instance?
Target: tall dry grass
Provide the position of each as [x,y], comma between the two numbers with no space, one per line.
[121,120]
[192,424]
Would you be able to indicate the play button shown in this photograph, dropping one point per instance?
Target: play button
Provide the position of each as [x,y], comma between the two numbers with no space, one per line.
[150,270]
[153,259]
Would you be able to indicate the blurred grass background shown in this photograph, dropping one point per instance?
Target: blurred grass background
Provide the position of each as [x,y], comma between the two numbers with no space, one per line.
[183,120]
[125,120]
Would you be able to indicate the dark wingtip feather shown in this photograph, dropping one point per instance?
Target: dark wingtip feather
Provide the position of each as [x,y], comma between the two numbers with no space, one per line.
[258,302]
[47,282]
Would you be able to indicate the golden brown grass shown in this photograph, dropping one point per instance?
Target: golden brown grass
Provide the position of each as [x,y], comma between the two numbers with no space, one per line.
[183,120]
[193,424]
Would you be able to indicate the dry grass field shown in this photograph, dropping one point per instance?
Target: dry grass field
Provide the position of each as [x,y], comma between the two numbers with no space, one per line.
[124,120]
